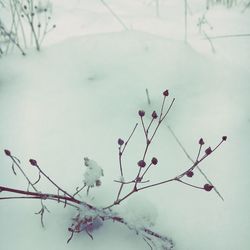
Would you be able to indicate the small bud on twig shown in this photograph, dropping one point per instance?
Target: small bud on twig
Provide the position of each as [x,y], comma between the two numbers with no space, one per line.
[7,152]
[189,174]
[120,142]
[141,163]
[154,161]
[208,187]
[141,113]
[224,138]
[208,151]
[154,115]
[33,162]
[166,93]
[201,142]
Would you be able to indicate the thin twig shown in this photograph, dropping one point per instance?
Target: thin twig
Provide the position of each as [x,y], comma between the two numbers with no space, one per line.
[121,151]
[53,183]
[229,36]
[79,190]
[148,98]
[210,42]
[46,196]
[115,15]
[16,162]
[190,158]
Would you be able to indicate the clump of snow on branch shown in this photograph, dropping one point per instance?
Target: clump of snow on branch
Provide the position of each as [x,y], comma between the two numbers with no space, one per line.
[93,173]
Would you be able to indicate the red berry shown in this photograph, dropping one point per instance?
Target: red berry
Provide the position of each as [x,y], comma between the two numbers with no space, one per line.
[7,152]
[141,113]
[201,142]
[33,162]
[120,142]
[154,115]
[208,151]
[189,174]
[208,187]
[141,163]
[154,161]
[166,93]
[224,138]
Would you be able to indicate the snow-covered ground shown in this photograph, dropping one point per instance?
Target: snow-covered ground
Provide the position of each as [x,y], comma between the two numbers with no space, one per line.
[82,92]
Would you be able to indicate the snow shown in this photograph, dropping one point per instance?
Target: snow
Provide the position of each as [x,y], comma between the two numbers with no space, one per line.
[92,174]
[140,212]
[83,91]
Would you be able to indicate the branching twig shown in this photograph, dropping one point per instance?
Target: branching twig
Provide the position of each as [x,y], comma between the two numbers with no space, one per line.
[89,216]
[142,164]
[190,158]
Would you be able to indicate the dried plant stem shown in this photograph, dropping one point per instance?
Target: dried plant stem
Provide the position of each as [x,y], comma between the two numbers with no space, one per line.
[157,7]
[44,196]
[185,18]
[177,178]
[103,214]
[190,158]
[121,152]
[53,183]
[210,42]
[16,162]
[79,190]
[148,98]
[20,22]
[229,36]
[115,15]
[149,139]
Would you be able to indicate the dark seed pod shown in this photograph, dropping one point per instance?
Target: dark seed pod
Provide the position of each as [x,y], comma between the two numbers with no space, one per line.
[141,163]
[141,113]
[208,187]
[7,152]
[33,162]
[201,141]
[189,174]
[224,138]
[154,115]
[154,161]
[208,151]
[166,93]
[120,142]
